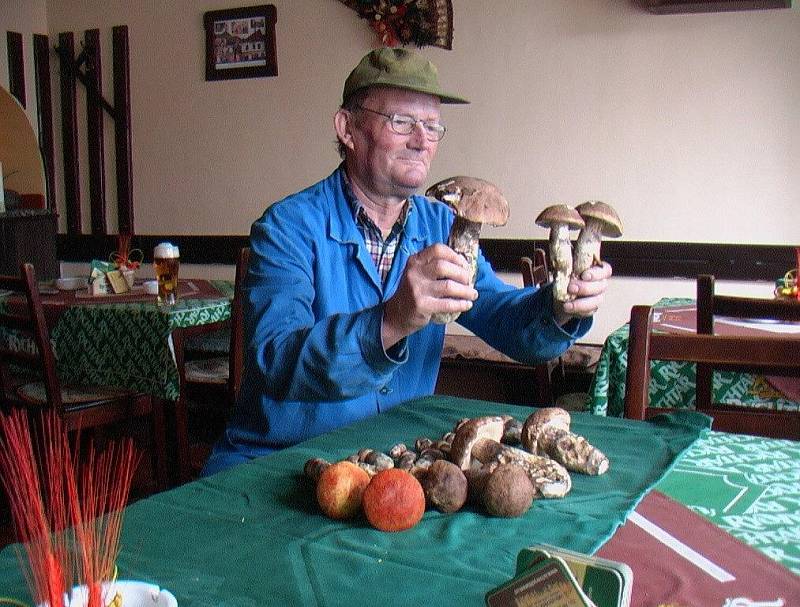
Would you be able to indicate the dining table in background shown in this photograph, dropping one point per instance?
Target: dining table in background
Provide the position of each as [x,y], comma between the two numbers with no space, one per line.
[127,340]
[672,384]
[253,535]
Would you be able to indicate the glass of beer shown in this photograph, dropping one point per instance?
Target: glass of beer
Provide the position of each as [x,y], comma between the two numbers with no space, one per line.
[166,261]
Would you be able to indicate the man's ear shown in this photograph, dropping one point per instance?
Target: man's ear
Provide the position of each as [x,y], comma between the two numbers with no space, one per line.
[343,123]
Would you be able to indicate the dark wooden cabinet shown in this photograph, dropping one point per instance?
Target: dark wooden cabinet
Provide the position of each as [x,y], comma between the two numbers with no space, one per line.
[29,236]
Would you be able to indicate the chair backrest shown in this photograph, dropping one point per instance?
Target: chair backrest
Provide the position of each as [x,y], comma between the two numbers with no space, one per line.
[22,324]
[774,355]
[711,305]
[534,271]
[236,353]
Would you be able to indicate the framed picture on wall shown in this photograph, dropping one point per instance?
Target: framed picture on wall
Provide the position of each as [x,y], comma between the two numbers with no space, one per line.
[240,42]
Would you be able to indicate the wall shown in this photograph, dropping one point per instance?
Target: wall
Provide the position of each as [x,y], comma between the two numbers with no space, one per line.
[686,123]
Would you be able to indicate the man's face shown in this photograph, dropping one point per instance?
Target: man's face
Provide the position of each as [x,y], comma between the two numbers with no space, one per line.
[386,162]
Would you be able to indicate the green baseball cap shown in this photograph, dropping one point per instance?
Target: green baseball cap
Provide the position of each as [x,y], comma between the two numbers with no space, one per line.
[400,68]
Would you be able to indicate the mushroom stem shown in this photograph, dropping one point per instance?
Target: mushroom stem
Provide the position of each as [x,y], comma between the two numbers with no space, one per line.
[546,432]
[573,451]
[463,239]
[550,478]
[561,258]
[600,219]
[587,247]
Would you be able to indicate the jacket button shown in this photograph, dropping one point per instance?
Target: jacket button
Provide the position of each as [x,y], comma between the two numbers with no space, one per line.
[385,390]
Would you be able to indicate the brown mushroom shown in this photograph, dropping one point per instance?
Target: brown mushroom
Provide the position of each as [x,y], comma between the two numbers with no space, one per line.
[314,468]
[546,432]
[601,220]
[560,219]
[550,479]
[475,203]
[372,461]
[445,486]
[508,491]
[512,432]
[469,433]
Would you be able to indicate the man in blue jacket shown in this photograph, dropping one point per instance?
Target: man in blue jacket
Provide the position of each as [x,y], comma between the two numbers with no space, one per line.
[345,276]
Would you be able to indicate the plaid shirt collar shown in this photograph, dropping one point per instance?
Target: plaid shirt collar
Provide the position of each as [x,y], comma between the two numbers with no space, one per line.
[381,249]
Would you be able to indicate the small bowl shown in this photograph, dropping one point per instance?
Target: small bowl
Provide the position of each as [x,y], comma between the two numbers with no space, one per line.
[70,284]
[133,594]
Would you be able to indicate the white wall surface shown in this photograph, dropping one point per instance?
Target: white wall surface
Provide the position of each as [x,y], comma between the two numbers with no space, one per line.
[686,123]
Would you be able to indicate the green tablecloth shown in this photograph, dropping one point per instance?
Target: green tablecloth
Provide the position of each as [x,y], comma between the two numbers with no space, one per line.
[128,344]
[749,486]
[253,535]
[672,383]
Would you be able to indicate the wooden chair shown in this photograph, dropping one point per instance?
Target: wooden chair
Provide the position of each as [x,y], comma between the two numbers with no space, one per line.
[28,376]
[222,372]
[535,273]
[772,355]
[709,305]
[217,370]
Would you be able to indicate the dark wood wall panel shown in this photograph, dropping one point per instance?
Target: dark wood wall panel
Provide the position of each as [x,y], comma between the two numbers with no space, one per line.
[94,131]
[122,130]
[69,132]
[41,61]
[16,66]
[628,258]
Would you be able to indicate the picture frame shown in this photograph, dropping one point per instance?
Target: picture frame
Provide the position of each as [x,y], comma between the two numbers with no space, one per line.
[240,42]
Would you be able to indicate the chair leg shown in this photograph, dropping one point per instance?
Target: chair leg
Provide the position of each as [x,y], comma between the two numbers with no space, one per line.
[182,439]
[160,460]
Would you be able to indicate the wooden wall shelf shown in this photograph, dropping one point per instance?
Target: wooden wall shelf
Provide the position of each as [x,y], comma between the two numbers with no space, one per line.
[671,7]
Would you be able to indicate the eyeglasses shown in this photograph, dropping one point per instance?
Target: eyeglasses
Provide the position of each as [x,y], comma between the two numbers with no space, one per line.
[404,125]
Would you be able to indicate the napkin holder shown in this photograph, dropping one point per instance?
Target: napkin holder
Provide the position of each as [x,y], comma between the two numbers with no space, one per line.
[106,278]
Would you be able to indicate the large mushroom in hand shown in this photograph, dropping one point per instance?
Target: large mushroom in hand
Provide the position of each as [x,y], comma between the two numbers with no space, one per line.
[475,203]
[601,220]
[560,219]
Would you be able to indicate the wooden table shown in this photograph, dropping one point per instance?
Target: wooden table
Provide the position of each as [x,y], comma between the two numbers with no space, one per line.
[672,383]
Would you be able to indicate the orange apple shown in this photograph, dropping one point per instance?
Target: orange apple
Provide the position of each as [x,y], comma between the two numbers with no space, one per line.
[393,500]
[340,488]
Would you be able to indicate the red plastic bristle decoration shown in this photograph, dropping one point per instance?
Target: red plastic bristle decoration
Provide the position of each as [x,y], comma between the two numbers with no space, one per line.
[67,509]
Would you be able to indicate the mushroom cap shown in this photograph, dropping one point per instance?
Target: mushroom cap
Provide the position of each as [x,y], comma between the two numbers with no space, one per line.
[538,421]
[602,213]
[445,486]
[469,433]
[508,491]
[472,198]
[562,214]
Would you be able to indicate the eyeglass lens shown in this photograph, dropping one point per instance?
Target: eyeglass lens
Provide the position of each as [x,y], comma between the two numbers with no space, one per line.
[404,125]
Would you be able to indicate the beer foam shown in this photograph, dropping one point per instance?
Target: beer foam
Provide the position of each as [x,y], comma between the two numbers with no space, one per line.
[166,250]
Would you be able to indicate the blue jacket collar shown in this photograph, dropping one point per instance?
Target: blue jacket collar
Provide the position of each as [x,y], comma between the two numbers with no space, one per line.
[341,223]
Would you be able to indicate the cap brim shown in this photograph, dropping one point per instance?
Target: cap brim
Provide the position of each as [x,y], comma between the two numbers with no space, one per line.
[443,97]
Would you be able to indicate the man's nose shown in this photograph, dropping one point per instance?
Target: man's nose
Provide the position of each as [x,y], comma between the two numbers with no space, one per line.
[417,137]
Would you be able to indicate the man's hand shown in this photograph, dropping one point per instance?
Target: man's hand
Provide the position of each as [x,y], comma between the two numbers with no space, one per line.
[589,291]
[435,280]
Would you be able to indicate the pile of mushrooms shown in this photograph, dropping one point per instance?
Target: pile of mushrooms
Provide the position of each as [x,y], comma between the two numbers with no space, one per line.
[475,202]
[595,219]
[497,462]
